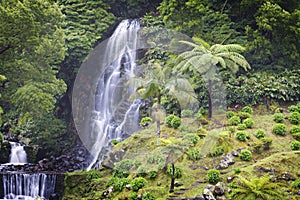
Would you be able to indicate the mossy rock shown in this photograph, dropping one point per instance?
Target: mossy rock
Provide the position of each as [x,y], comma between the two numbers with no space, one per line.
[5,152]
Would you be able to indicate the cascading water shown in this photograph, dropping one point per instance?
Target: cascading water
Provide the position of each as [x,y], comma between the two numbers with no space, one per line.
[114,116]
[18,154]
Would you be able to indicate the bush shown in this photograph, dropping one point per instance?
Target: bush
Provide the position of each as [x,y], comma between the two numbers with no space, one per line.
[247,109]
[201,132]
[118,183]
[155,158]
[278,117]
[296,184]
[138,183]
[296,136]
[235,120]
[152,174]
[295,129]
[243,115]
[295,145]
[142,171]
[173,121]
[178,171]
[237,170]
[217,151]
[145,121]
[229,114]
[279,129]
[115,142]
[260,133]
[213,176]
[191,138]
[294,118]
[266,143]
[187,113]
[294,108]
[242,136]
[122,168]
[194,154]
[241,127]
[249,122]
[148,196]
[257,147]
[245,155]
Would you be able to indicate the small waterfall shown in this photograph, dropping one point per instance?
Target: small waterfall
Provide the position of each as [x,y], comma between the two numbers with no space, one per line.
[114,116]
[18,154]
[28,186]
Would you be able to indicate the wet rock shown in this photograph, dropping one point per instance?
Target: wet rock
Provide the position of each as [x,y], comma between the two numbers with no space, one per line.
[140,197]
[226,160]
[287,176]
[219,189]
[208,195]
[230,179]
[209,187]
[235,153]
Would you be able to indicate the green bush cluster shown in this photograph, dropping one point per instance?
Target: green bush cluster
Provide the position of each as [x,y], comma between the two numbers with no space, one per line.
[241,127]
[217,151]
[187,113]
[235,120]
[138,183]
[260,133]
[152,174]
[295,129]
[141,171]
[122,168]
[296,184]
[148,196]
[155,158]
[294,118]
[279,129]
[242,136]
[145,121]
[243,115]
[194,154]
[193,139]
[262,144]
[278,117]
[115,142]
[294,108]
[245,155]
[249,122]
[295,145]
[213,176]
[178,171]
[247,109]
[173,121]
[118,183]
[230,114]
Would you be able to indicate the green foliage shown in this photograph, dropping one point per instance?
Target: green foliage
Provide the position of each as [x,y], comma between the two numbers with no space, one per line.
[296,136]
[295,184]
[245,155]
[155,158]
[115,142]
[295,129]
[279,129]
[1,138]
[241,127]
[152,174]
[278,117]
[187,113]
[294,118]
[178,171]
[249,122]
[247,109]
[194,154]
[267,142]
[191,138]
[260,133]
[145,120]
[173,121]
[243,115]
[148,196]
[257,188]
[237,170]
[122,168]
[242,136]
[142,171]
[294,108]
[118,183]
[213,176]
[217,151]
[230,114]
[235,120]
[295,145]
[138,183]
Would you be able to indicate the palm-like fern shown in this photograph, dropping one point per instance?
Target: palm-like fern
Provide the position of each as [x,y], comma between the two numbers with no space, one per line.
[256,189]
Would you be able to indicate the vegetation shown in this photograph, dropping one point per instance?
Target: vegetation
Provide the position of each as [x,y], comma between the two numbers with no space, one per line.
[213,176]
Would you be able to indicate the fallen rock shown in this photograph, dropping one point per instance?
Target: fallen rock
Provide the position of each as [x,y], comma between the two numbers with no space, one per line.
[226,160]
[219,189]
[208,195]
[235,153]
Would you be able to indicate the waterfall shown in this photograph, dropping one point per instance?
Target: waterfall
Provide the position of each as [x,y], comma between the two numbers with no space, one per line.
[18,154]
[28,186]
[114,116]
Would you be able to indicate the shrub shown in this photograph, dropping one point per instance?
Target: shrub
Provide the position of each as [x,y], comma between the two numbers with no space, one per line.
[201,132]
[142,171]
[194,154]
[235,120]
[217,151]
[155,158]
[241,127]
[173,121]
[132,196]
[243,115]
[115,142]
[187,113]
[260,133]
[242,136]
[178,171]
[245,155]
[237,170]
[247,109]
[148,196]
[295,145]
[138,183]
[278,117]
[145,121]
[294,118]
[279,129]
[295,129]
[257,147]
[118,183]
[294,108]
[122,168]
[296,136]
[152,174]
[266,142]
[213,176]
[249,122]
[191,138]
[229,114]
[296,184]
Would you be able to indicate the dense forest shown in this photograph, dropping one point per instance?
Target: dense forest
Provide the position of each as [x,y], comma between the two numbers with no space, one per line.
[254,44]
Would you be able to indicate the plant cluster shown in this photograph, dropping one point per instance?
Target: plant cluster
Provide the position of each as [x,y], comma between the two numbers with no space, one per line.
[294,118]
[173,121]
[278,117]
[213,176]
[242,136]
[177,173]
[279,129]
[295,145]
[194,154]
[245,155]
[260,133]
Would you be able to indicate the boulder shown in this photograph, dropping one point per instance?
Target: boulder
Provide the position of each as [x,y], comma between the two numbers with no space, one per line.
[219,189]
[208,195]
[226,160]
[235,153]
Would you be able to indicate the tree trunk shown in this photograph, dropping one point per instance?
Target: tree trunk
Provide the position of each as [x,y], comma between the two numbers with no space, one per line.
[158,120]
[209,100]
[172,179]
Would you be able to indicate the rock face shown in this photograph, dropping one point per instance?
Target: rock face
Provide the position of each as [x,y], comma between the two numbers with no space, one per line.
[226,160]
